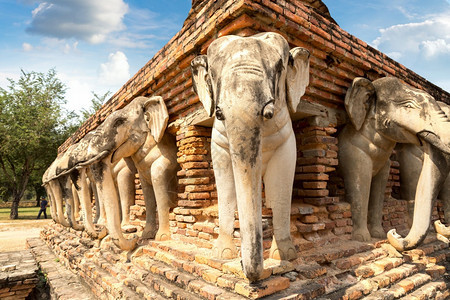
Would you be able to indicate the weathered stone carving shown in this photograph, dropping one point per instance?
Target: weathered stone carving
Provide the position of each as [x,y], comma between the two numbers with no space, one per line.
[410,158]
[382,113]
[131,138]
[250,84]
[59,188]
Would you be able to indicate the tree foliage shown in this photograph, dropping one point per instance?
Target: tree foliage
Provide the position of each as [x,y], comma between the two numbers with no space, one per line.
[33,124]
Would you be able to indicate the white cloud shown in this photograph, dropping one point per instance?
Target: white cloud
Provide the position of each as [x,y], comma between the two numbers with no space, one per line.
[395,55]
[407,13]
[4,83]
[116,71]
[27,47]
[435,48]
[87,20]
[78,94]
[428,39]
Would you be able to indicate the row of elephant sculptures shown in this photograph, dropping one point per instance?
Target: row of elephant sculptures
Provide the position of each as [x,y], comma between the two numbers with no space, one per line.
[251,85]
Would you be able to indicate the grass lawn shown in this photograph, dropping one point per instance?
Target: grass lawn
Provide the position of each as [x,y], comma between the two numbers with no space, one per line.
[25,213]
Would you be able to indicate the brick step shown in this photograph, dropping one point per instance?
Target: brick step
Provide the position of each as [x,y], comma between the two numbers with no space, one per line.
[387,272]
[225,274]
[145,271]
[138,284]
[101,280]
[63,283]
[439,290]
[104,275]
[417,286]
[345,249]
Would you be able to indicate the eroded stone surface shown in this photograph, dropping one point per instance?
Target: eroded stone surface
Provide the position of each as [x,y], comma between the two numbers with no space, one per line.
[18,275]
[343,269]
[63,283]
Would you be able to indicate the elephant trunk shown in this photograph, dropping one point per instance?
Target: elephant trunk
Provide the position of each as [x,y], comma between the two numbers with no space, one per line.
[435,169]
[57,196]
[102,175]
[246,160]
[68,195]
[81,187]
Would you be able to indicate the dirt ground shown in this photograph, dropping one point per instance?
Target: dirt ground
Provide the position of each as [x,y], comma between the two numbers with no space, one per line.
[13,233]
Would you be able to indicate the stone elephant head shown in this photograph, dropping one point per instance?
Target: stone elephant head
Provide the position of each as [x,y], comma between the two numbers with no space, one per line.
[250,85]
[385,112]
[124,131]
[410,158]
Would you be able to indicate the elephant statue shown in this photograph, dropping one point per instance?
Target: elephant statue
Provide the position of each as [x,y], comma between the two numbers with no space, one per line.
[59,188]
[251,84]
[410,158]
[382,113]
[135,133]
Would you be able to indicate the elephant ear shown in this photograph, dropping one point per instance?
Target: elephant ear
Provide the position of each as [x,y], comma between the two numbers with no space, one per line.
[358,100]
[202,83]
[445,107]
[156,116]
[297,76]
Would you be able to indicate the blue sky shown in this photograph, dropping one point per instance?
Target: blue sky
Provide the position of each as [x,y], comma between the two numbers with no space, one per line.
[98,45]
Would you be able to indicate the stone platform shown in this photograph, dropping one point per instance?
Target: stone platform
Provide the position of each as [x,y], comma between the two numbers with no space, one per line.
[18,274]
[343,269]
[63,283]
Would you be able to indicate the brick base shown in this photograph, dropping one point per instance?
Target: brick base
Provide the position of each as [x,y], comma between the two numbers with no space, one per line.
[341,269]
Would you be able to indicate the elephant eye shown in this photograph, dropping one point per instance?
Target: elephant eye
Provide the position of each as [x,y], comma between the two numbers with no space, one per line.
[118,122]
[410,104]
[219,114]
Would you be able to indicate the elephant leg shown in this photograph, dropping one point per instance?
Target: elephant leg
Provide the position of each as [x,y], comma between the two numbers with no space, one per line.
[51,201]
[224,246]
[150,210]
[278,182]
[162,172]
[58,197]
[376,201]
[84,194]
[102,173]
[100,216]
[70,205]
[125,184]
[76,203]
[357,172]
[444,195]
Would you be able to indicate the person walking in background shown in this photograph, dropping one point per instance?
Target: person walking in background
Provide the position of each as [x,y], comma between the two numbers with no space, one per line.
[44,204]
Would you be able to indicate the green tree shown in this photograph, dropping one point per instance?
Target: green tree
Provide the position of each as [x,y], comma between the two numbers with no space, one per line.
[96,104]
[33,123]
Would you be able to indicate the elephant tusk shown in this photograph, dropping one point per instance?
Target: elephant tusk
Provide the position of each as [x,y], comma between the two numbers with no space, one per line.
[397,241]
[434,140]
[442,229]
[442,238]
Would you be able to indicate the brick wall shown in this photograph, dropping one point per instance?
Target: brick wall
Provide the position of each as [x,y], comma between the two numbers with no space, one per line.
[319,213]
